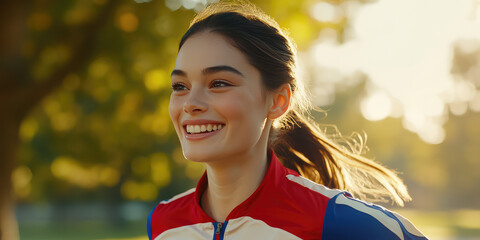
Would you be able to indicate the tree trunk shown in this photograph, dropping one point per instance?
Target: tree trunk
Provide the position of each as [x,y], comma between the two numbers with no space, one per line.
[12,30]
[8,147]
[19,94]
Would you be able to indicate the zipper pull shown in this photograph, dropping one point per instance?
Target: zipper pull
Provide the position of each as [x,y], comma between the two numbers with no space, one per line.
[219,227]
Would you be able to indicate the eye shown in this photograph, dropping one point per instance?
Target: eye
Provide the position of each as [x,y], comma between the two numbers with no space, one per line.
[178,87]
[219,83]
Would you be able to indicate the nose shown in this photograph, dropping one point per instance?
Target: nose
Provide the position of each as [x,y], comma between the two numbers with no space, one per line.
[195,103]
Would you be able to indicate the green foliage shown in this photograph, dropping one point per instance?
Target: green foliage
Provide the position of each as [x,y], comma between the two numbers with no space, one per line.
[106,130]
[105,134]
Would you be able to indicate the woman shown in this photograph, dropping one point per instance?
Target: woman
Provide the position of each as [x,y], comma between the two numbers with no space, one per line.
[238,107]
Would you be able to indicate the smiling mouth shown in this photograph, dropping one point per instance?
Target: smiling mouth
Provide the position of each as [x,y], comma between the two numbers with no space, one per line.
[203,128]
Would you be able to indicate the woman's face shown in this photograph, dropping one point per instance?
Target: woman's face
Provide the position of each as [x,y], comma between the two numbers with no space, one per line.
[217,106]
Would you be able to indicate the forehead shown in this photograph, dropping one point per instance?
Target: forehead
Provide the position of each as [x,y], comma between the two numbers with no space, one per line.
[207,49]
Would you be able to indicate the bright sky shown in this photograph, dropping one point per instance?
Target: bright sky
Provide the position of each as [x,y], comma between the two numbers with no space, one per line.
[405,48]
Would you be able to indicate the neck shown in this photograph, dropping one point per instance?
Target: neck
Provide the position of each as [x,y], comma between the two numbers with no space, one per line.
[231,184]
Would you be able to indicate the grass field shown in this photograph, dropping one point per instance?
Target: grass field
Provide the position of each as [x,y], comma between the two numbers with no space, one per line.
[82,231]
[458,224]
[445,225]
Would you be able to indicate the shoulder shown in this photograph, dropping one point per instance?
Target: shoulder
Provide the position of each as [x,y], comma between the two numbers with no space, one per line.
[171,213]
[308,195]
[349,218]
[304,202]
[306,187]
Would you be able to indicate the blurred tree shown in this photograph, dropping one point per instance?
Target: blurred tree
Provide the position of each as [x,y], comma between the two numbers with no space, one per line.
[21,91]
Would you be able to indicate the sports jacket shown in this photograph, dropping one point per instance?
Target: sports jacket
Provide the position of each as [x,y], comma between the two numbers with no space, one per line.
[284,206]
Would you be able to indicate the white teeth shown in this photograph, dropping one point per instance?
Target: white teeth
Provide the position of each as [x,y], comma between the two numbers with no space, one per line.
[203,128]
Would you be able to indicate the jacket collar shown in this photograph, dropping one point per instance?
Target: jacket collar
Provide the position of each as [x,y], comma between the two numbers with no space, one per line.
[271,181]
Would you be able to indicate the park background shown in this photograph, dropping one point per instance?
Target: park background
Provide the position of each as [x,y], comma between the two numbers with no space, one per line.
[86,143]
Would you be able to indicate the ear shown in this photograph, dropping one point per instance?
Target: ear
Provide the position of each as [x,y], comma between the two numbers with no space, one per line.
[281,101]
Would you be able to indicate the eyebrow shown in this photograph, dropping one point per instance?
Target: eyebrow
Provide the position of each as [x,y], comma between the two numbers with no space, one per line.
[210,70]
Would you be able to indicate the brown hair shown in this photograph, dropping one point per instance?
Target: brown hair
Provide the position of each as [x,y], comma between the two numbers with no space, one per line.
[298,142]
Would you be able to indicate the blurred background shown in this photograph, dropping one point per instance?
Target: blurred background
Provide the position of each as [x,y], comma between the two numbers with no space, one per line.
[87,148]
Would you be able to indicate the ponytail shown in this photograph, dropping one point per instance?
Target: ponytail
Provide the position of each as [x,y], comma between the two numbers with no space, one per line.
[301,146]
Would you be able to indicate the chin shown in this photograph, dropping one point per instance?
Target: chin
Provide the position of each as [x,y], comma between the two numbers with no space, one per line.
[203,155]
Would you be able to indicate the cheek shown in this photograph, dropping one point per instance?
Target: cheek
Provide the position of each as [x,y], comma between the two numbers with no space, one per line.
[174,109]
[245,108]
